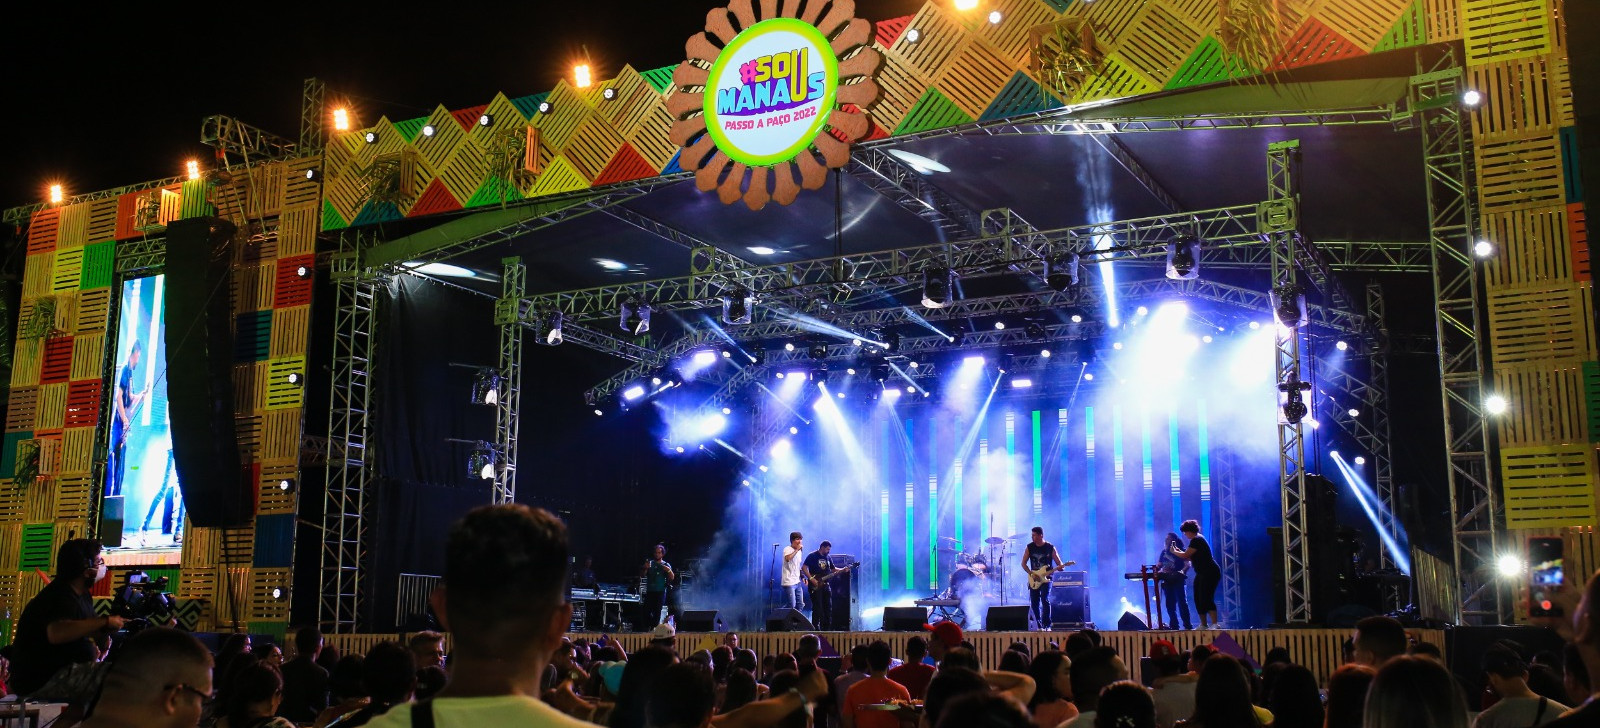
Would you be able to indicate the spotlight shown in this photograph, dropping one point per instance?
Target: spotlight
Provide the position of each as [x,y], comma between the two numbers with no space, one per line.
[1077,318]
[1117,345]
[1289,305]
[1483,248]
[1353,412]
[371,137]
[818,351]
[302,272]
[1359,460]
[1045,353]
[891,341]
[599,413]
[482,462]
[727,410]
[966,4]
[1341,345]
[1294,405]
[851,371]
[655,381]
[855,342]
[635,316]
[552,327]
[1471,98]
[55,194]
[1183,258]
[726,354]
[341,120]
[679,449]
[1255,325]
[580,76]
[1495,404]
[193,167]
[486,120]
[788,346]
[610,94]
[1021,383]
[779,375]
[312,174]
[277,592]
[295,378]
[938,287]
[841,395]
[1088,376]
[486,387]
[1061,273]
[1034,330]
[764,468]
[994,17]
[634,392]
[545,107]
[913,35]
[428,131]
[1142,311]
[738,306]
[286,484]
[1509,566]
[913,364]
[999,326]
[705,358]
[1207,338]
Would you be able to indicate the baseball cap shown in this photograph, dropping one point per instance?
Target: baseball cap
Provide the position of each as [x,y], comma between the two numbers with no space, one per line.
[663,631]
[947,632]
[1160,649]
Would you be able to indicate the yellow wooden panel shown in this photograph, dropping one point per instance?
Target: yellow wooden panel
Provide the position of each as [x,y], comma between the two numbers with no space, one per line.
[297,231]
[1532,246]
[568,110]
[650,136]
[1548,486]
[1561,76]
[93,309]
[1519,99]
[289,329]
[74,497]
[249,381]
[264,607]
[632,100]
[277,392]
[102,220]
[1114,20]
[266,184]
[299,191]
[274,499]
[52,407]
[199,552]
[11,499]
[940,38]
[447,135]
[280,437]
[1520,173]
[1010,35]
[1497,30]
[88,355]
[38,501]
[253,287]
[1443,20]
[27,362]
[1547,404]
[36,276]
[77,452]
[74,226]
[592,146]
[975,77]
[1115,80]
[463,171]
[1540,324]
[1363,21]
[900,87]
[1159,43]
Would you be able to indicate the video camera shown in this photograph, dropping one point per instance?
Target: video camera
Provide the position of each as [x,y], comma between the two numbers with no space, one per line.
[142,597]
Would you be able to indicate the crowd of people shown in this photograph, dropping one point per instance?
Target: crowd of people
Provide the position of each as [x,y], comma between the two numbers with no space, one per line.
[511,664]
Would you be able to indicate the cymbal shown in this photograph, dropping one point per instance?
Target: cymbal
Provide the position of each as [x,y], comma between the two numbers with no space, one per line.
[994,540]
[951,539]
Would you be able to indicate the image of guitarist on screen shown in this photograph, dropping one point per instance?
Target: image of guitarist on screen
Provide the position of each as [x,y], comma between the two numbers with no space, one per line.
[818,570]
[1040,559]
[126,405]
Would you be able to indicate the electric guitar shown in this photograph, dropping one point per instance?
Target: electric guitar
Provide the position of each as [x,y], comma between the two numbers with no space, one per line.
[1041,576]
[817,581]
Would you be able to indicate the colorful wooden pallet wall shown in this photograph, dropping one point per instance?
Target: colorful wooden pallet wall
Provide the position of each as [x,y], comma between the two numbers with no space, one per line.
[959,69]
[60,386]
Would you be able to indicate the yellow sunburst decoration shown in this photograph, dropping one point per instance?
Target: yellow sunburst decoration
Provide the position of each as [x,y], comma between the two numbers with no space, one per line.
[770,97]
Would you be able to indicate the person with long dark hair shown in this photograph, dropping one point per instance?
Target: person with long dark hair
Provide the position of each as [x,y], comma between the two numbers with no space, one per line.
[253,699]
[1347,696]
[1125,704]
[1414,692]
[1222,697]
[1052,679]
[1294,700]
[1171,577]
[1206,573]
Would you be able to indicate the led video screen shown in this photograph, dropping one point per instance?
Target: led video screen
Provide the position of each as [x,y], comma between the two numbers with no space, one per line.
[142,497]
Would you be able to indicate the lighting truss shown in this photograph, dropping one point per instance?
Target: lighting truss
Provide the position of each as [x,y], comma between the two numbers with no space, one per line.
[249,144]
[313,114]
[1280,217]
[510,317]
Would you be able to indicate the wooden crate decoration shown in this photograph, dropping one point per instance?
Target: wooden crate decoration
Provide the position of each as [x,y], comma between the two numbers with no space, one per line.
[38,275]
[38,547]
[247,432]
[231,606]
[279,391]
[274,540]
[1498,30]
[253,286]
[633,100]
[11,499]
[650,137]
[1548,486]
[1518,99]
[1010,36]
[74,497]
[42,230]
[1520,173]
[88,355]
[1364,22]
[102,223]
[49,444]
[77,450]
[11,529]
[1536,325]
[975,77]
[560,176]
[39,501]
[447,136]
[940,38]
[1578,237]
[292,288]
[281,433]
[73,228]
[1314,42]
[27,362]
[93,311]
[297,231]
[299,192]
[198,552]
[22,410]
[592,146]
[290,326]
[252,336]
[52,407]
[1160,43]
[568,112]
[83,404]
[57,365]
[462,171]
[1532,246]
[249,382]
[266,184]
[99,265]
[626,165]
[269,595]
[1548,405]
[1591,389]
[933,110]
[271,497]
[1114,80]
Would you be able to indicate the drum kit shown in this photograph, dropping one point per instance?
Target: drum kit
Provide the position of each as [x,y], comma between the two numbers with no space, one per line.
[977,574]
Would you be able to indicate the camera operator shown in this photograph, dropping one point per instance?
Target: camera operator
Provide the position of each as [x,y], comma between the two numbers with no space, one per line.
[57,627]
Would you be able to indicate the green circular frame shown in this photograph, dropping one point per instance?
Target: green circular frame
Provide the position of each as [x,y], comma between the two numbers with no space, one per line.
[830,64]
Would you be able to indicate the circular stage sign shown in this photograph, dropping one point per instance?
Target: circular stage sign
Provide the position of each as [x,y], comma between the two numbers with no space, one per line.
[770,91]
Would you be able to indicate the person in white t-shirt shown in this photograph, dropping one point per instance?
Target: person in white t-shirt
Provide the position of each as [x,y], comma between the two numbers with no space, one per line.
[794,594]
[1518,706]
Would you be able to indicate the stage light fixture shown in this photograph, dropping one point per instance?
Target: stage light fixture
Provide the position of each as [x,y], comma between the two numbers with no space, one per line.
[1483,249]
[1495,404]
[1061,272]
[295,378]
[910,389]
[1207,338]
[1045,353]
[818,351]
[581,77]
[1077,318]
[599,413]
[371,137]
[485,119]
[313,174]
[1471,98]
[1183,258]
[545,107]
[705,358]
[938,287]
[1142,311]
[1255,325]
[635,316]
[779,375]
[610,94]
[634,392]
[999,326]
[966,4]
[1034,330]
[286,484]
[851,371]
[1021,383]
[341,120]
[1289,305]
[1294,405]
[193,167]
[680,449]
[302,272]
[277,592]
[1116,345]
[1341,345]
[891,341]
[552,322]
[1509,566]
[762,250]
[788,346]
[841,395]
[55,194]
[1359,460]
[1353,412]
[913,35]
[486,387]
[727,410]
[1088,376]
[428,131]
[481,464]
[995,17]
[738,307]
[855,342]
[655,381]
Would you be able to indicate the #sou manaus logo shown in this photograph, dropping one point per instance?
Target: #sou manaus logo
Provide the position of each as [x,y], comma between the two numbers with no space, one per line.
[762,113]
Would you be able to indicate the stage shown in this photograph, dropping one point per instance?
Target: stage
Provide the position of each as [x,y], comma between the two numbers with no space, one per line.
[1319,650]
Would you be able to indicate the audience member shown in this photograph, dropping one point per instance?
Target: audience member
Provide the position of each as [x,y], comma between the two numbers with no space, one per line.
[1052,680]
[1545,681]
[1379,639]
[427,649]
[253,700]
[347,692]
[390,674]
[741,690]
[1577,624]
[1427,649]
[1125,704]
[504,600]
[1347,696]
[784,681]
[701,657]
[1222,697]
[305,683]
[1173,693]
[1077,643]
[329,657]
[272,656]
[1014,661]
[961,657]
[682,696]
[1023,648]
[949,684]
[785,661]
[1198,657]
[915,673]
[665,635]
[721,663]
[1413,692]
[1518,706]
[56,628]
[857,672]
[1093,671]
[431,680]
[161,678]
[1262,685]
[634,693]
[1295,699]
[876,688]
[731,641]
[1093,635]
[946,636]
[1276,655]
[1574,676]
[986,709]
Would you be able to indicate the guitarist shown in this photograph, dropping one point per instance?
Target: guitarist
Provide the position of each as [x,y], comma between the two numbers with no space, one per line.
[816,568]
[1040,555]
[126,405]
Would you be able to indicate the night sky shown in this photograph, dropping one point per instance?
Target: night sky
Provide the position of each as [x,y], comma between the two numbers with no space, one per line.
[115,95]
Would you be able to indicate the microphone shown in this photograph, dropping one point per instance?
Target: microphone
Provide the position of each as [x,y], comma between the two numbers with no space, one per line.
[776,545]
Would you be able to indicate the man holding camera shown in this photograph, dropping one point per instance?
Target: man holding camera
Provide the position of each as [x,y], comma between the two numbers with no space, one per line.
[57,627]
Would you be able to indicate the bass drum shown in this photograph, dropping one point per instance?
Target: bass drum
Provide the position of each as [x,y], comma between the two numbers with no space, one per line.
[966,582]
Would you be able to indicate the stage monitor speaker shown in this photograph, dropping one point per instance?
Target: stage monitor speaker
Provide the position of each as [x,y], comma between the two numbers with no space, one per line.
[1006,619]
[111,515]
[1069,605]
[788,620]
[904,619]
[1131,622]
[199,344]
[705,620]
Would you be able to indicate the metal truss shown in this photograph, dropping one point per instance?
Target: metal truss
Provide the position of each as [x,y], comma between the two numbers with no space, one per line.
[900,184]
[24,214]
[1376,402]
[510,316]
[235,138]
[1281,231]
[1226,483]
[313,116]
[140,256]
[349,473]
[1084,120]
[1475,507]
[1125,158]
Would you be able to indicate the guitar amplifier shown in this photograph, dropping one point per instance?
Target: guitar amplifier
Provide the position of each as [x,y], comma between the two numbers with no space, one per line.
[1070,578]
[1069,606]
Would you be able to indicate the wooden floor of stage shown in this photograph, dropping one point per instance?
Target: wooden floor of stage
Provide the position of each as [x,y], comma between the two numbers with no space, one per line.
[1320,650]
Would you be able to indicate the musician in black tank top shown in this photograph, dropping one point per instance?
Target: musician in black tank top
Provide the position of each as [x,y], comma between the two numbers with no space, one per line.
[1206,573]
